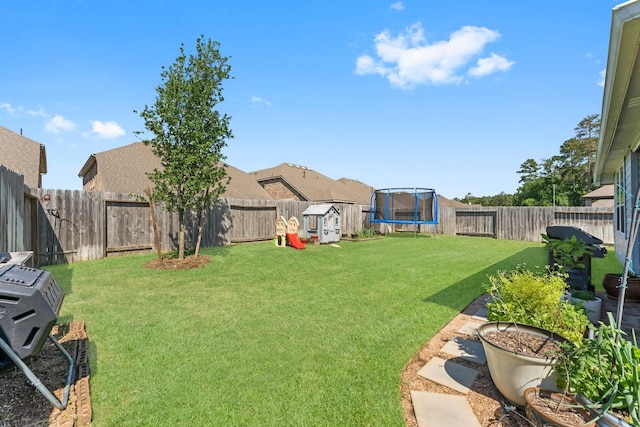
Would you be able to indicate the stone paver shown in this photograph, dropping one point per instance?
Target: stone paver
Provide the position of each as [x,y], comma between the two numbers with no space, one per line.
[449,374]
[469,328]
[466,349]
[441,410]
[481,314]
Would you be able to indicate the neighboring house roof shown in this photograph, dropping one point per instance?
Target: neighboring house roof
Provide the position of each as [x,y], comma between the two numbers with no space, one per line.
[603,192]
[600,197]
[602,203]
[124,169]
[443,201]
[360,190]
[24,156]
[620,118]
[307,184]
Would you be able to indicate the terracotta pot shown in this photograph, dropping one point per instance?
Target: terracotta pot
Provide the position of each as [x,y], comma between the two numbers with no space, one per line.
[541,419]
[611,282]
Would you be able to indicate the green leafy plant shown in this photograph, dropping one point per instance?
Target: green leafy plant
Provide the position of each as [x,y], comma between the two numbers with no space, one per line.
[365,233]
[606,370]
[583,294]
[568,252]
[535,298]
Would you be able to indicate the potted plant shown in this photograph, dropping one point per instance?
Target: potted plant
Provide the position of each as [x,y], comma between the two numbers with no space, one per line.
[527,311]
[568,255]
[587,299]
[548,408]
[605,374]
[535,297]
[611,283]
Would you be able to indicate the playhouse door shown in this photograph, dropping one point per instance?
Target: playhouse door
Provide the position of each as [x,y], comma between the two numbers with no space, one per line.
[330,227]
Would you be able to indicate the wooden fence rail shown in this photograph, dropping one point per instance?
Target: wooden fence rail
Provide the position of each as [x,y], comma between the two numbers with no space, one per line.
[62,226]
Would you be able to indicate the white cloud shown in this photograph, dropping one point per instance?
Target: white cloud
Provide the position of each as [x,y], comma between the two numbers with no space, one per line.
[38,113]
[258,100]
[106,130]
[490,65]
[59,124]
[408,59]
[397,5]
[9,108]
[603,75]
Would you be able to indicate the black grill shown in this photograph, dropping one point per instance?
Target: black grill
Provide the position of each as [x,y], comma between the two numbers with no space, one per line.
[30,301]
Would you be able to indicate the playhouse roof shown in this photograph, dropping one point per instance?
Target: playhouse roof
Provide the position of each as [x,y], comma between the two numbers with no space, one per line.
[322,209]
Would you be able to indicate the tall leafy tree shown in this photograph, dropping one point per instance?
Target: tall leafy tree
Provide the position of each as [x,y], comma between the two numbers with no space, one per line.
[529,170]
[564,178]
[189,133]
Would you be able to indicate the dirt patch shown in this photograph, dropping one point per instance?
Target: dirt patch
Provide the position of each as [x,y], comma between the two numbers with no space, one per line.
[22,404]
[485,400]
[173,263]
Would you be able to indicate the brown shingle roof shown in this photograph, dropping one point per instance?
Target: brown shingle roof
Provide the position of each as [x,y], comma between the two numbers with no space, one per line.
[123,170]
[310,184]
[24,156]
[603,192]
[361,190]
[443,201]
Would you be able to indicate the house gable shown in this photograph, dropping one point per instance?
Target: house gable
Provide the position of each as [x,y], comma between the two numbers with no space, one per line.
[303,183]
[124,170]
[24,156]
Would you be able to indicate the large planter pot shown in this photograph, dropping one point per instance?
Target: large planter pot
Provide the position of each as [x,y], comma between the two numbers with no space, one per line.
[611,281]
[541,418]
[513,372]
[607,420]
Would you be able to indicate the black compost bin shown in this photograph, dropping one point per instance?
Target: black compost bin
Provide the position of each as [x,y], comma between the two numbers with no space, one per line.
[579,278]
[30,301]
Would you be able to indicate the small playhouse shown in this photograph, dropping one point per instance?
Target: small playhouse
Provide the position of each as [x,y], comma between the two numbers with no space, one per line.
[321,223]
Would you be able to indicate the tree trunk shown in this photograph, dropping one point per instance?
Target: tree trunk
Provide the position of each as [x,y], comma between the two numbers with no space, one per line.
[200,224]
[155,225]
[181,235]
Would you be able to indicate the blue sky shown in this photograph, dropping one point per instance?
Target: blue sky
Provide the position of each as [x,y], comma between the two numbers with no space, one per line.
[451,95]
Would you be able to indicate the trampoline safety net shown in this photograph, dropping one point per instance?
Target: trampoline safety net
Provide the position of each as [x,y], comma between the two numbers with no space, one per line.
[404,206]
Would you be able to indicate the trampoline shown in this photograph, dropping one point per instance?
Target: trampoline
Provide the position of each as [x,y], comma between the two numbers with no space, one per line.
[416,206]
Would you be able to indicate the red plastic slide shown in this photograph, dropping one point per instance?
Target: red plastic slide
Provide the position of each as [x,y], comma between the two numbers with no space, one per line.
[295,241]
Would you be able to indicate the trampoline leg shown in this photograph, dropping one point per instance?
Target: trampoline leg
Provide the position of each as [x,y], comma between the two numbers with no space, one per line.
[6,348]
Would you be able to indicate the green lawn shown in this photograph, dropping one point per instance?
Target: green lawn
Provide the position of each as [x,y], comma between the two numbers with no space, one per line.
[267,336]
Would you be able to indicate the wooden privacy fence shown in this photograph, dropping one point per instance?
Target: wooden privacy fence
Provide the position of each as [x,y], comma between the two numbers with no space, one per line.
[524,223]
[62,226]
[78,226]
[16,212]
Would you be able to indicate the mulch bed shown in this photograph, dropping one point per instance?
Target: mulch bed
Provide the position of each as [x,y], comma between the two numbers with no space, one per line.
[173,263]
[22,404]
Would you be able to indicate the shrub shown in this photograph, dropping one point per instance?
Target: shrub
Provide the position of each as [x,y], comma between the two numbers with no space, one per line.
[535,298]
[366,232]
